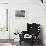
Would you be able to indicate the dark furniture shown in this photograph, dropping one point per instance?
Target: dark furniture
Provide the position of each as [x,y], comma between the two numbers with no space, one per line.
[42,1]
[33,30]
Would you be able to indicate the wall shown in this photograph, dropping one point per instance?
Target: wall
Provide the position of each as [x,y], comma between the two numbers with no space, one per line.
[3,21]
[35,12]
[4,34]
[3,1]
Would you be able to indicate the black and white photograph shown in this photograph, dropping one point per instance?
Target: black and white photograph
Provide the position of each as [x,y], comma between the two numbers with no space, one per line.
[22,22]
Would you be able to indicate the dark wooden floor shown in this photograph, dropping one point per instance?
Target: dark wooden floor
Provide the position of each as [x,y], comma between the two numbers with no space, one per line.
[29,44]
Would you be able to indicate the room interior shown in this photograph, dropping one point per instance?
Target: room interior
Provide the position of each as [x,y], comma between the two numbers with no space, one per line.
[14,16]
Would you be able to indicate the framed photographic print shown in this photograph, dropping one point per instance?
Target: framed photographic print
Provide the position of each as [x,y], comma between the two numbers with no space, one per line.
[20,13]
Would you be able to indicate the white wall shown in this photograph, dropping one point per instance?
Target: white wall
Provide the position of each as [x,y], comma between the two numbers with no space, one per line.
[35,12]
[3,1]
[3,34]
[3,21]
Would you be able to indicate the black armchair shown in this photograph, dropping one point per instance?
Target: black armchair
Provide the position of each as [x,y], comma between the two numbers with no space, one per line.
[32,29]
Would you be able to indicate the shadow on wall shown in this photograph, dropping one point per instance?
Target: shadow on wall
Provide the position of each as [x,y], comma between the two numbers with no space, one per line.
[41,34]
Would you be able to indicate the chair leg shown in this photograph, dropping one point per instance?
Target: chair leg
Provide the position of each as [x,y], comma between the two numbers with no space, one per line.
[20,42]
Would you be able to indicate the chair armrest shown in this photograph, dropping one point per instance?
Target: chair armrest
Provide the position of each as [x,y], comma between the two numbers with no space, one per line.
[24,32]
[22,35]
